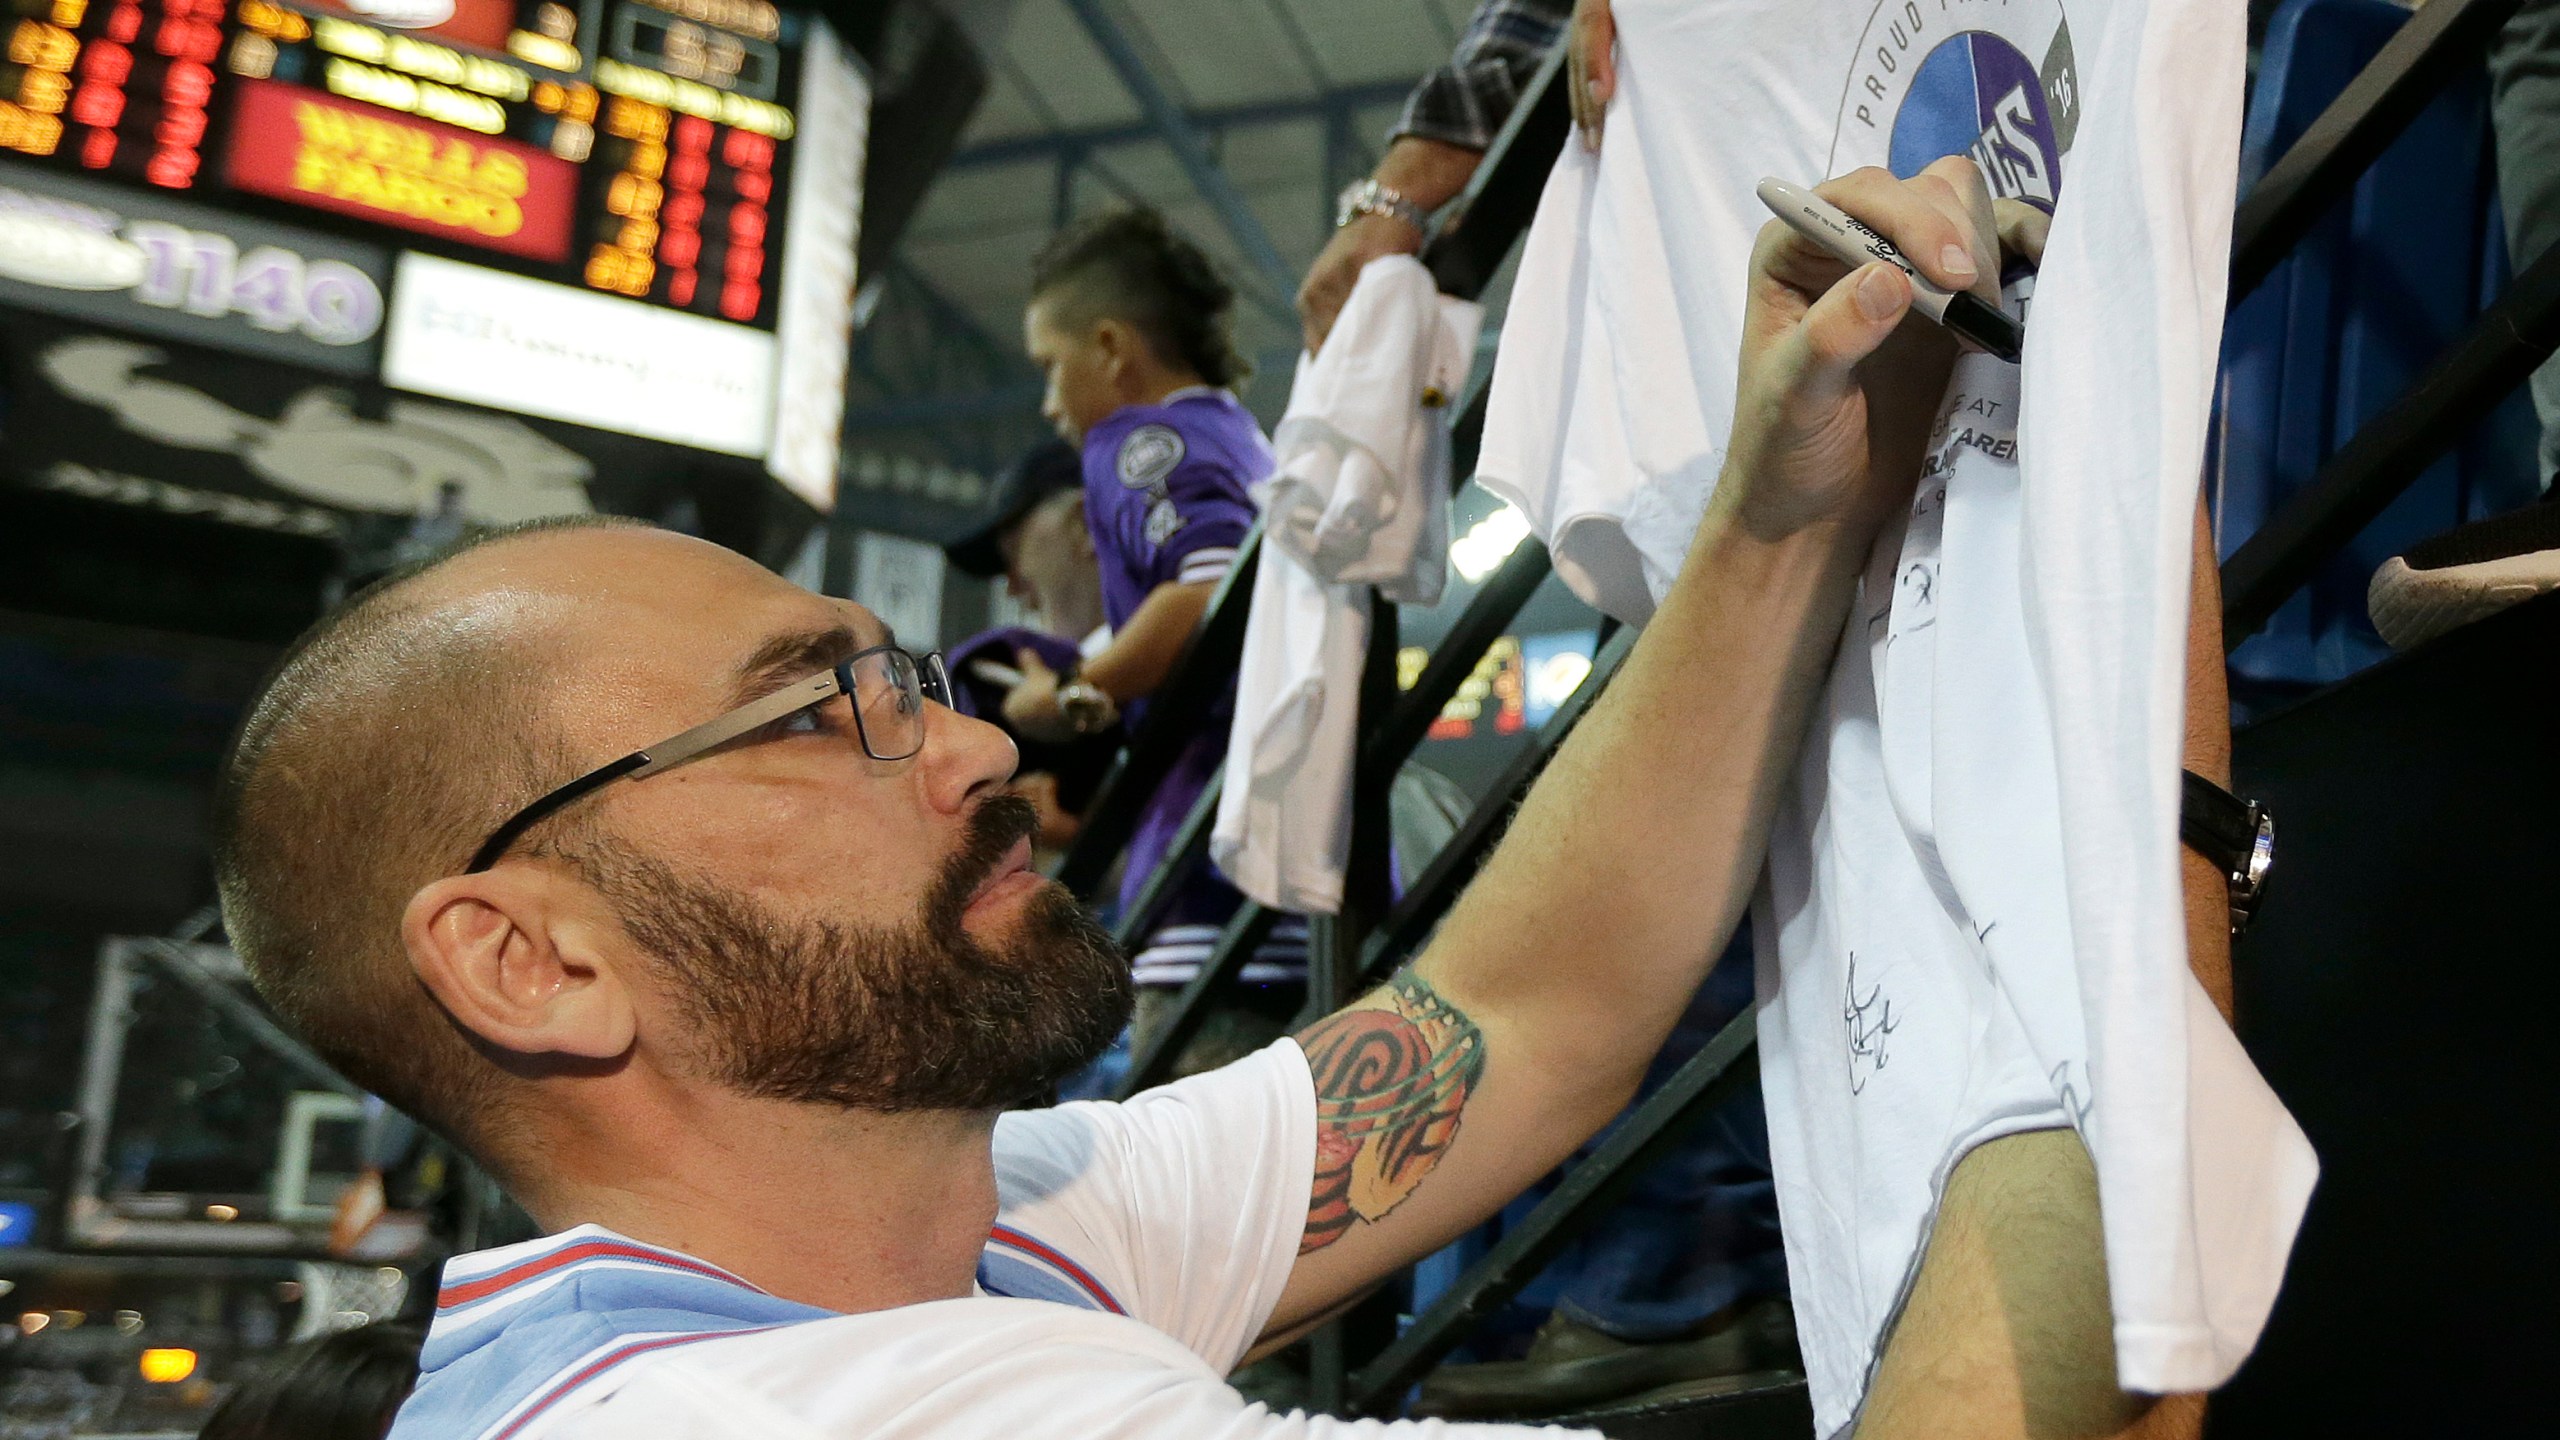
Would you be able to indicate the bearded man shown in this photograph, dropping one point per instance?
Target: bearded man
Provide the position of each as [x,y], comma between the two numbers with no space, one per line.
[736,1014]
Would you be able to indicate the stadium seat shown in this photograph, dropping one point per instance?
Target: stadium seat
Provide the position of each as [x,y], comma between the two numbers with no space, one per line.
[2338,331]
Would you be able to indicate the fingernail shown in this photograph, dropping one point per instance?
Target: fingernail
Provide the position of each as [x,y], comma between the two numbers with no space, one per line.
[1957,262]
[1878,296]
[1592,89]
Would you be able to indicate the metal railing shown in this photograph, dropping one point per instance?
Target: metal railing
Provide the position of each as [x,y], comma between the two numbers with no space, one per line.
[2437,45]
[1373,936]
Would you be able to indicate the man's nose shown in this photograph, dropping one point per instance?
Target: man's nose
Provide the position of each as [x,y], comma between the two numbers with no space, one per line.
[963,759]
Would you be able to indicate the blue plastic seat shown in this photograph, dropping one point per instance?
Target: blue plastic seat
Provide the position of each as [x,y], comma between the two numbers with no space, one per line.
[2338,331]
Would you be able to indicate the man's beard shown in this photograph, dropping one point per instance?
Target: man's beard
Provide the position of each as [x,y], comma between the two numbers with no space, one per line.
[919,1017]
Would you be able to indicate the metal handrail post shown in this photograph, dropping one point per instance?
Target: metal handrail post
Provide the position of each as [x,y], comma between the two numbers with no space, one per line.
[1245,932]
[1419,910]
[1333,981]
[1197,678]
[1711,1077]
[1189,847]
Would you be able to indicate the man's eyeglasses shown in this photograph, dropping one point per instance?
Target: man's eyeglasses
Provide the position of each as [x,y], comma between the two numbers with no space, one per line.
[888,685]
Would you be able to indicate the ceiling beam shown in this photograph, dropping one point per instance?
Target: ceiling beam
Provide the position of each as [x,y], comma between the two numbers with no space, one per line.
[1049,144]
[1191,151]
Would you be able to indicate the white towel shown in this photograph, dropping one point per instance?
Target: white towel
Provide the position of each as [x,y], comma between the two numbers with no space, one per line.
[1972,922]
[1359,498]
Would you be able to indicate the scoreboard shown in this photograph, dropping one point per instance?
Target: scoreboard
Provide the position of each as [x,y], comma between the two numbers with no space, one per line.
[643,150]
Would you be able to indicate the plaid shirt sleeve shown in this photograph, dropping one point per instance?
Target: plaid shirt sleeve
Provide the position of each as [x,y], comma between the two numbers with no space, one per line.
[1465,101]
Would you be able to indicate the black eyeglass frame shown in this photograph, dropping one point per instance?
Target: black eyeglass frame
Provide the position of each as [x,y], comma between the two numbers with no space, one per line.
[932,682]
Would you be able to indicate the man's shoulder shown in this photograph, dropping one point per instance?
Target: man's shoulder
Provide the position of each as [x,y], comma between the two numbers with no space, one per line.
[920,1368]
[523,1330]
[869,1372]
[1039,1151]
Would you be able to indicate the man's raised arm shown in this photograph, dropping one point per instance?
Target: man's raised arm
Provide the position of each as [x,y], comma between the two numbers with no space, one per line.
[1529,1019]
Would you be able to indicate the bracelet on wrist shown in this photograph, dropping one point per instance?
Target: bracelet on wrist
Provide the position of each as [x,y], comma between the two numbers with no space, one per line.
[1373,197]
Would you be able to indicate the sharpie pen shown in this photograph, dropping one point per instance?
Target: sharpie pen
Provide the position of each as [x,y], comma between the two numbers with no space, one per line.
[1984,326]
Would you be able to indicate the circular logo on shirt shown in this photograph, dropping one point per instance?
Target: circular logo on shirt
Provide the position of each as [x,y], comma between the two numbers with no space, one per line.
[1992,79]
[1162,520]
[1148,454]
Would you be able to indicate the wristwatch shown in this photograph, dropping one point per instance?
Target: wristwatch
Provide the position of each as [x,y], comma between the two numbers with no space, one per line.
[1088,708]
[2237,835]
[1369,197]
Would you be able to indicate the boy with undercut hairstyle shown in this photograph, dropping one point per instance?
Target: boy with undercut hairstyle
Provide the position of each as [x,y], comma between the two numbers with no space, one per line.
[1129,322]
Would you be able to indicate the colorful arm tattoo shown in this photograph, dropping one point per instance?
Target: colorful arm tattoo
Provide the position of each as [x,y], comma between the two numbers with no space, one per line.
[1389,1088]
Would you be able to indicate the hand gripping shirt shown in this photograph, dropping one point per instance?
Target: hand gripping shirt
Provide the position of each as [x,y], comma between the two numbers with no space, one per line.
[1137,1252]
[1168,497]
[1971,924]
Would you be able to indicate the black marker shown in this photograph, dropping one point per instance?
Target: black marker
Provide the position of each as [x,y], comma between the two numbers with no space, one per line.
[1984,326]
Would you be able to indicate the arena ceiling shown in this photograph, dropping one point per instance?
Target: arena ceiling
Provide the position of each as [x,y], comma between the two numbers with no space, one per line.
[1239,119]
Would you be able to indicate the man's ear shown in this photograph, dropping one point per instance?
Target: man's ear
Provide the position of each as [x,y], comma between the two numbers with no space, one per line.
[514,957]
[1120,345]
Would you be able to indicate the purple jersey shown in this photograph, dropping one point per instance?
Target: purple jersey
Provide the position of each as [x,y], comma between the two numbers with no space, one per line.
[1166,492]
[1167,496]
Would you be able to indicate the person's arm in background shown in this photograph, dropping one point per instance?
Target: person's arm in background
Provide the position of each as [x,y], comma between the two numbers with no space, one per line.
[1450,118]
[1182,568]
[1141,654]
[2209,755]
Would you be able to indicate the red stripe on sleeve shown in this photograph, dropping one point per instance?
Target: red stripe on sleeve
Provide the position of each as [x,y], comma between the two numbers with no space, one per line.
[1083,1277]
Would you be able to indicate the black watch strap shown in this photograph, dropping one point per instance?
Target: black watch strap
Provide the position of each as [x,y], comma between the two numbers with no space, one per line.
[2237,835]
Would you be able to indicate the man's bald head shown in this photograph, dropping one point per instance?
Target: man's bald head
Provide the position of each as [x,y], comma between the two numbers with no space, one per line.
[791,919]
[392,738]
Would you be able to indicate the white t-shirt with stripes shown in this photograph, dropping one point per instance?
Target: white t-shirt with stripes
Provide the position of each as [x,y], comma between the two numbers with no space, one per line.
[1139,1250]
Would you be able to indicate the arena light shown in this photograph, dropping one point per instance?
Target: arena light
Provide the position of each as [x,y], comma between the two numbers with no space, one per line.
[1488,543]
[167,1366]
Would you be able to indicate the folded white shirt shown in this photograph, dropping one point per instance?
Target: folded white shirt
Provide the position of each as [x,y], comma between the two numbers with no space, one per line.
[1359,497]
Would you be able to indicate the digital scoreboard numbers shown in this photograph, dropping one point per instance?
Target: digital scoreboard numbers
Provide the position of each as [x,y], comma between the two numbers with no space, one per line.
[544,33]
[35,78]
[133,88]
[639,148]
[730,44]
[122,87]
[598,212]
[688,212]
[691,153]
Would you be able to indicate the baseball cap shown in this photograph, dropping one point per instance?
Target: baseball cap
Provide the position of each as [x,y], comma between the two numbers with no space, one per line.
[1043,471]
